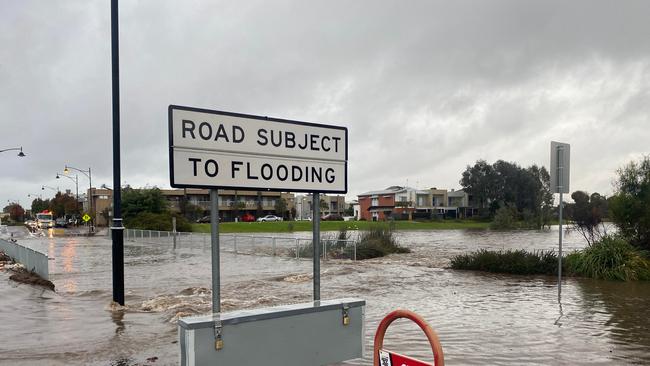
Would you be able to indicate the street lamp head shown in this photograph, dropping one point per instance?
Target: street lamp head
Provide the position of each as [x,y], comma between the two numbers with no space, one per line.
[42,188]
[57,176]
[21,154]
[66,170]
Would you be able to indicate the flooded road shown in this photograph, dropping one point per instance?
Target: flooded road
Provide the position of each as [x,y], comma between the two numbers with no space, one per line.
[481,318]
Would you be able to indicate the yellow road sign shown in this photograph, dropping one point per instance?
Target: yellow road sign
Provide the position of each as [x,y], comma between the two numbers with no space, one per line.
[86,218]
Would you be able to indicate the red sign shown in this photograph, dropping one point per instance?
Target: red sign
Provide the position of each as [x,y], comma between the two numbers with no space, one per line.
[388,358]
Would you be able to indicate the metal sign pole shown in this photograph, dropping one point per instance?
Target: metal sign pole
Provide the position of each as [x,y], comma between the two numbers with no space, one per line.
[560,188]
[214,236]
[316,243]
[117,230]
[559,257]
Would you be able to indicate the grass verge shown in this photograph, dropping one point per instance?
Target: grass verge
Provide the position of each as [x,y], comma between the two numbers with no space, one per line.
[291,226]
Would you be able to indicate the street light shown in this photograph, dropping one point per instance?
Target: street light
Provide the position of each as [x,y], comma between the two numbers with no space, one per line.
[52,188]
[76,184]
[88,174]
[20,154]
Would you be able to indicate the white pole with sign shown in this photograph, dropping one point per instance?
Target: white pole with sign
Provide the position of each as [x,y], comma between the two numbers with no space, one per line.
[560,169]
[215,150]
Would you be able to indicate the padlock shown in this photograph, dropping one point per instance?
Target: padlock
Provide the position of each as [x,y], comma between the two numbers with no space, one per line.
[346,316]
[218,344]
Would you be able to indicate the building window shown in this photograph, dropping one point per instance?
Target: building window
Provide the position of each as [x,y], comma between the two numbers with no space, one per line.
[375,202]
[103,197]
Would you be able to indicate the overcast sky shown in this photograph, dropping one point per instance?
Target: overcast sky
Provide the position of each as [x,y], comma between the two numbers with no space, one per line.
[425,87]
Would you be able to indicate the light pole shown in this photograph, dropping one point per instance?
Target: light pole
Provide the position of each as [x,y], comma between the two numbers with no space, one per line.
[52,188]
[88,174]
[20,154]
[76,184]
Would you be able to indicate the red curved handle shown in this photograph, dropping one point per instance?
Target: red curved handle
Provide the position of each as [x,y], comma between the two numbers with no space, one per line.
[438,356]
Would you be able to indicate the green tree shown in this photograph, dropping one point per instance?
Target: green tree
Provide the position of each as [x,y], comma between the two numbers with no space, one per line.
[526,190]
[630,206]
[587,214]
[38,205]
[136,201]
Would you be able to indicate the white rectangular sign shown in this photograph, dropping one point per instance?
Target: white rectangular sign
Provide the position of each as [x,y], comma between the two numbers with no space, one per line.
[560,167]
[213,149]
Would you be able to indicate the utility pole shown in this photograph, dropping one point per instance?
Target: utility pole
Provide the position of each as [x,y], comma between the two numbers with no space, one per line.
[117,230]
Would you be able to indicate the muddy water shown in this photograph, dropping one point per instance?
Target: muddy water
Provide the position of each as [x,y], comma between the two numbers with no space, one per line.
[481,319]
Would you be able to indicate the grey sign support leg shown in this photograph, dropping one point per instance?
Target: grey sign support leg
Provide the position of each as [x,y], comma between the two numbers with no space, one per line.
[214,236]
[316,243]
[559,257]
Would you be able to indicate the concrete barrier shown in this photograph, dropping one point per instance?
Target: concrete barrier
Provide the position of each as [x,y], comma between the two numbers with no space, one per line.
[31,259]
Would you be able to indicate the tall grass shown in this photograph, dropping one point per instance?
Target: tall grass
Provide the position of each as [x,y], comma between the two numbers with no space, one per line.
[378,241]
[509,261]
[611,258]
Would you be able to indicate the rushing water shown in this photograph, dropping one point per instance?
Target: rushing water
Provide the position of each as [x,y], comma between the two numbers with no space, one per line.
[481,318]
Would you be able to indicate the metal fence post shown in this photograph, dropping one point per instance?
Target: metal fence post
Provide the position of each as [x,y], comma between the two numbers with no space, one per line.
[235,243]
[355,250]
[274,246]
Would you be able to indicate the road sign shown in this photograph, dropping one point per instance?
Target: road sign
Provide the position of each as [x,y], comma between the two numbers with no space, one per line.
[560,164]
[388,358]
[214,149]
[85,217]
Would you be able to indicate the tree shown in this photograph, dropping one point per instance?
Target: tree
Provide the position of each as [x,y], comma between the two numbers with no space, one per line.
[630,206]
[38,205]
[63,204]
[260,209]
[281,207]
[136,201]
[587,213]
[15,211]
[503,183]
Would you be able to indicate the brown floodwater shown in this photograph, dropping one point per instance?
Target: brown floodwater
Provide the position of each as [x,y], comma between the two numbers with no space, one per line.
[481,318]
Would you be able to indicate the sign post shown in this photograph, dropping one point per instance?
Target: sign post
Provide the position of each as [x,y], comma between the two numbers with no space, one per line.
[215,150]
[560,164]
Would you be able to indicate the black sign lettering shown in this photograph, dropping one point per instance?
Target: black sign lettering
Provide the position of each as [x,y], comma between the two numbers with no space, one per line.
[235,137]
[235,167]
[221,133]
[205,130]
[263,140]
[211,172]
[189,126]
[195,161]
[329,175]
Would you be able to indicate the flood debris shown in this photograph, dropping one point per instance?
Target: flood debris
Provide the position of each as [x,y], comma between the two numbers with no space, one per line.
[21,275]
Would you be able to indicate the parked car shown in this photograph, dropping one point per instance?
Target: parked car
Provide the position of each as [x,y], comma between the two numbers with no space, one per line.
[61,222]
[269,218]
[332,217]
[247,217]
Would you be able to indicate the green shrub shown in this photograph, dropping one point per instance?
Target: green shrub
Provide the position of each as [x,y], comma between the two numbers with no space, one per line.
[509,261]
[504,219]
[158,221]
[378,241]
[611,258]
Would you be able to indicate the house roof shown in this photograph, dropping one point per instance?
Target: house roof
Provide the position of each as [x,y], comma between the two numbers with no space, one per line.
[389,190]
[459,193]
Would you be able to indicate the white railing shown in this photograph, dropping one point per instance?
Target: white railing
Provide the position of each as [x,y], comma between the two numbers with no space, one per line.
[298,248]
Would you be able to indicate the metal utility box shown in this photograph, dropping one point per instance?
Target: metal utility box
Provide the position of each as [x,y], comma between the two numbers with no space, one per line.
[314,333]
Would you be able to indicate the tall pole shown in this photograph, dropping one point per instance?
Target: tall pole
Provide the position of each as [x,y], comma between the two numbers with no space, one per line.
[559,257]
[117,230]
[214,236]
[316,243]
[90,181]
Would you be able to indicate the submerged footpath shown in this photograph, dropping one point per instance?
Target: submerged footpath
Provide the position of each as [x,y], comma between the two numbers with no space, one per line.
[21,275]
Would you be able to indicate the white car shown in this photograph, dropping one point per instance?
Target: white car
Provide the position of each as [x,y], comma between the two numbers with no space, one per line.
[268,218]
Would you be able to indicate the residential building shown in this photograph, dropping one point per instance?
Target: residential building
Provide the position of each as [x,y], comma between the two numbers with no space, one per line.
[399,202]
[232,203]
[334,204]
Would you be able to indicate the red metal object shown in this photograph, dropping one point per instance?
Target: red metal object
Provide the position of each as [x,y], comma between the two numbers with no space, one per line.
[395,359]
